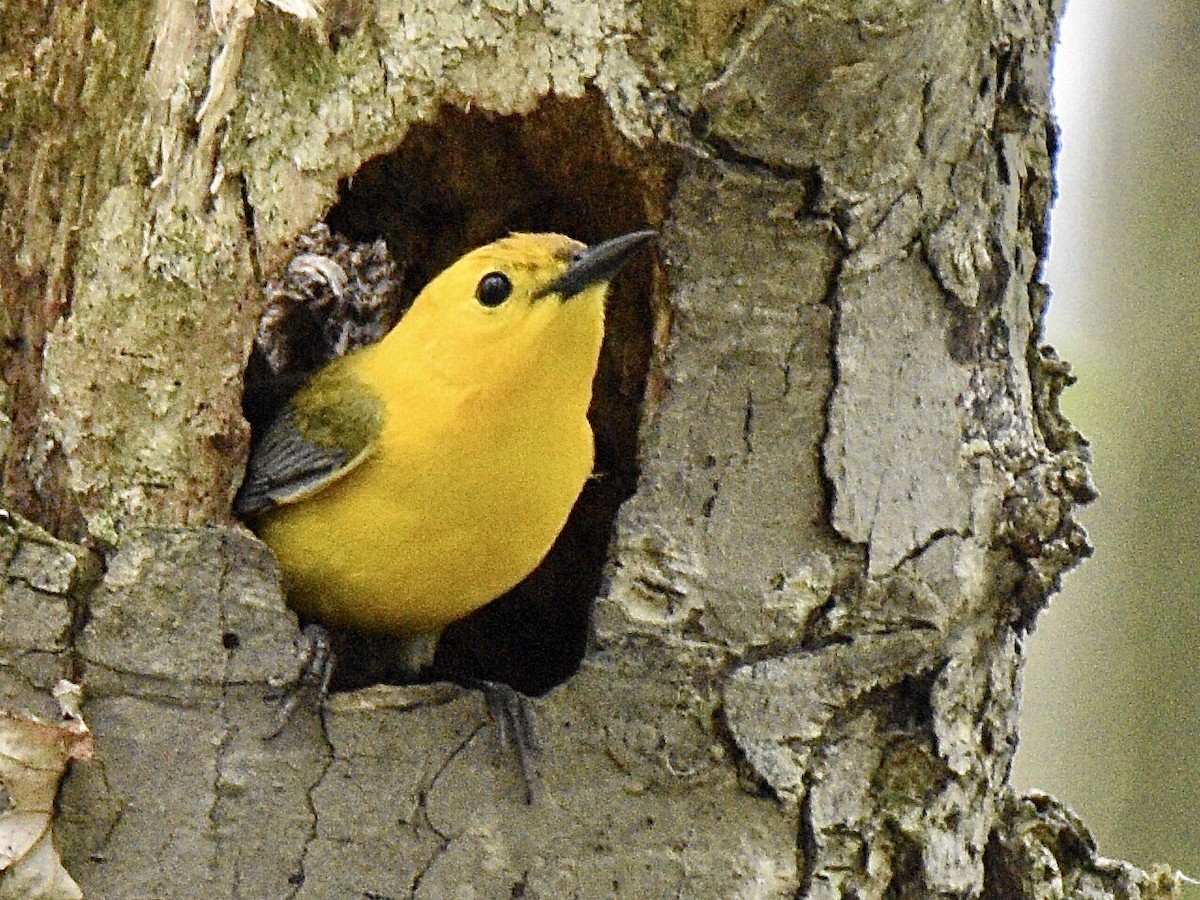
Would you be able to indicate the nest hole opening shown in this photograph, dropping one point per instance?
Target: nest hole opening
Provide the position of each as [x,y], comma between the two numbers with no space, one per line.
[453,184]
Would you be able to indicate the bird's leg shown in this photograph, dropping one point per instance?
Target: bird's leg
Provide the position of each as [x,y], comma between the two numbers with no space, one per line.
[313,680]
[508,707]
[415,652]
[513,715]
[413,656]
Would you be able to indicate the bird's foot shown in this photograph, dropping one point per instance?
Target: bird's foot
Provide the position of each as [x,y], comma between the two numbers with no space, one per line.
[513,714]
[313,680]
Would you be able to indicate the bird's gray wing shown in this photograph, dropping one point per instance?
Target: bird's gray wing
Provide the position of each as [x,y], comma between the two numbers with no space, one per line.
[326,430]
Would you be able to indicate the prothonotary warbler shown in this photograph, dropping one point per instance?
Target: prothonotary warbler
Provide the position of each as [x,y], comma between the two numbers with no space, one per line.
[412,481]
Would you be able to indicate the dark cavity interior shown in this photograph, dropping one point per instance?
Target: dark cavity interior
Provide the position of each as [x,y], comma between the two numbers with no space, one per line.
[460,182]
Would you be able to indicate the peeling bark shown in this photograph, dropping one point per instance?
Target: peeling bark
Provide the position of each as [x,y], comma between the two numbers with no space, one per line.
[852,490]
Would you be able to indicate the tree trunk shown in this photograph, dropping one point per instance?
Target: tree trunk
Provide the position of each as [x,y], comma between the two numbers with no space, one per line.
[778,648]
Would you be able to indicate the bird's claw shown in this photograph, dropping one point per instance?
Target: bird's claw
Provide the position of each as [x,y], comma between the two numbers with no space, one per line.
[513,714]
[312,681]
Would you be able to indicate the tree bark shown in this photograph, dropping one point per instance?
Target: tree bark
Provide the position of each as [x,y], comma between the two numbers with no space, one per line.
[826,416]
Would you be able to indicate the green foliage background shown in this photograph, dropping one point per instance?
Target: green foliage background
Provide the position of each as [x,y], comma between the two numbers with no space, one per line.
[1112,690]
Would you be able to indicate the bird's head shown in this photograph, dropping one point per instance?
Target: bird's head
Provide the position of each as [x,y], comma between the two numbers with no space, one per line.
[523,302]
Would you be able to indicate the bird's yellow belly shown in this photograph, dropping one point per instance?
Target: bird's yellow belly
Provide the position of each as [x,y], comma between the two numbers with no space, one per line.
[449,530]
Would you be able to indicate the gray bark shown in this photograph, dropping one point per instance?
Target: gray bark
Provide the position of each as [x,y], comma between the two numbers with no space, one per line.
[853,493]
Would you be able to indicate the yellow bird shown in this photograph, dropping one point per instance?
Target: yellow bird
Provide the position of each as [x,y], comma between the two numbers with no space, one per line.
[413,481]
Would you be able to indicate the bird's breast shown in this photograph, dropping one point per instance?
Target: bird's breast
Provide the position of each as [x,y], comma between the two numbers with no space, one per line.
[462,508]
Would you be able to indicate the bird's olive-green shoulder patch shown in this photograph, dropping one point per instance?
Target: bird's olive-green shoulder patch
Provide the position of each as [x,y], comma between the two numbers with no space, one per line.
[337,410]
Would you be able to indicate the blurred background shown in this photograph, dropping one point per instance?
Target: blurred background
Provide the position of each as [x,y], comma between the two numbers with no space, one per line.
[1111,718]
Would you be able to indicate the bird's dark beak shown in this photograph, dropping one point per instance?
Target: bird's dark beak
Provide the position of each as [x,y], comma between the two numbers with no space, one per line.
[597,263]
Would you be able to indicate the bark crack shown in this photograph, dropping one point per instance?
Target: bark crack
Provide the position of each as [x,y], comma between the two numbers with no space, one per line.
[220,785]
[748,424]
[298,879]
[251,229]
[444,840]
[922,547]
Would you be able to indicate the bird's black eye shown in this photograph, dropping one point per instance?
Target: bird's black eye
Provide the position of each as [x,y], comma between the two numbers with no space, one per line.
[493,289]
